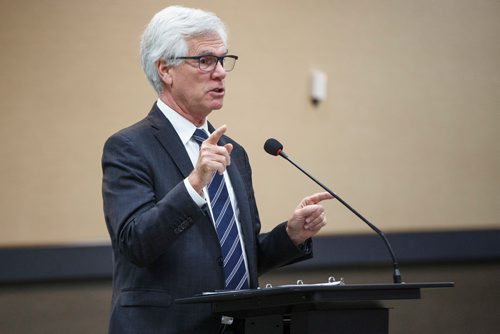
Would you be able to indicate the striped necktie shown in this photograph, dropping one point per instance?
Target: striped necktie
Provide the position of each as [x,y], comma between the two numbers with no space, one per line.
[236,276]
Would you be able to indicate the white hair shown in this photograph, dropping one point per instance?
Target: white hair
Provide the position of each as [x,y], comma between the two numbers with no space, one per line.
[166,37]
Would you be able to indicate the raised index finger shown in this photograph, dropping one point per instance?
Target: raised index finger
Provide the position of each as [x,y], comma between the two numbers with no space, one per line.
[318,197]
[215,136]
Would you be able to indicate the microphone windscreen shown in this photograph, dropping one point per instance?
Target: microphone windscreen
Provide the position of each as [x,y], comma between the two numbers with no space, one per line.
[272,146]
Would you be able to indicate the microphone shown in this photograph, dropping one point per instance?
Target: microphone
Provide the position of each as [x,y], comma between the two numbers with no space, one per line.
[274,147]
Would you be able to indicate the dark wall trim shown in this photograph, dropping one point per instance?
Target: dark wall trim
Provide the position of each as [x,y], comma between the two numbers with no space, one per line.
[38,264]
[410,248]
[35,264]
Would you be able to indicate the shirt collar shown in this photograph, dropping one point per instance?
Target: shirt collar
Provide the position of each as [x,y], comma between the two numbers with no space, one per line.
[184,128]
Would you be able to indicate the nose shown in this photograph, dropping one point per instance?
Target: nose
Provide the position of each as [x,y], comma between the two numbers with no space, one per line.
[219,72]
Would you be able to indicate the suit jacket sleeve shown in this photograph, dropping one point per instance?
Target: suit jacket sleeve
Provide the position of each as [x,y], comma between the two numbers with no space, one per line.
[140,223]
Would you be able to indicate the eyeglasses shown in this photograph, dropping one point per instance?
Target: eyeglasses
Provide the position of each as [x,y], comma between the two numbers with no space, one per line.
[208,63]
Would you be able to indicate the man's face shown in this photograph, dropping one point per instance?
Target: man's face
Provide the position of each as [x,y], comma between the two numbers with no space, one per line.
[195,93]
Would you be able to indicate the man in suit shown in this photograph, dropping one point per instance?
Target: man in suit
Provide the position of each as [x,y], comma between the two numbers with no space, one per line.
[158,180]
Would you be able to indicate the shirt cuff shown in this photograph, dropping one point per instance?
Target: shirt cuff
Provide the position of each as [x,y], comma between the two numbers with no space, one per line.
[197,198]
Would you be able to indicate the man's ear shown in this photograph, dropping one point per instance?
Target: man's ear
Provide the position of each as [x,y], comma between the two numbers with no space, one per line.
[164,71]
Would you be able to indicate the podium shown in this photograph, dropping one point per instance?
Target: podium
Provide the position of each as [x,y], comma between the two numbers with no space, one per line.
[312,308]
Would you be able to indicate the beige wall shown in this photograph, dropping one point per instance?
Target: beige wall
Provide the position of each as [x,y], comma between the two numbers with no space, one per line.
[408,135]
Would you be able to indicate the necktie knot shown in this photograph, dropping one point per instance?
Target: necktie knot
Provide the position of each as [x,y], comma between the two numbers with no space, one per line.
[200,136]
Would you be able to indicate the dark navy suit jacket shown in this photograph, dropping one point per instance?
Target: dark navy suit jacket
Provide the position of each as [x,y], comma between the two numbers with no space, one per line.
[164,246]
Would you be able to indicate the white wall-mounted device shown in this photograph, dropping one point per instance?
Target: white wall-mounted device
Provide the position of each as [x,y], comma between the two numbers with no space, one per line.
[318,86]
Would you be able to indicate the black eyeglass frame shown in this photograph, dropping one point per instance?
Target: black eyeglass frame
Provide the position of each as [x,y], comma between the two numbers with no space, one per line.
[219,60]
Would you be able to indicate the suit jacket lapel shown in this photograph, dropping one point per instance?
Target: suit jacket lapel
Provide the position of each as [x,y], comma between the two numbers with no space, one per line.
[244,217]
[168,138]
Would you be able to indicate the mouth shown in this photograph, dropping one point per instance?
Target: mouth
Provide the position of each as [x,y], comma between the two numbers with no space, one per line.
[217,93]
[219,90]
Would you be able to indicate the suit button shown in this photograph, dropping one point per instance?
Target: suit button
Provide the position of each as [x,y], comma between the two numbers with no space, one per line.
[220,261]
